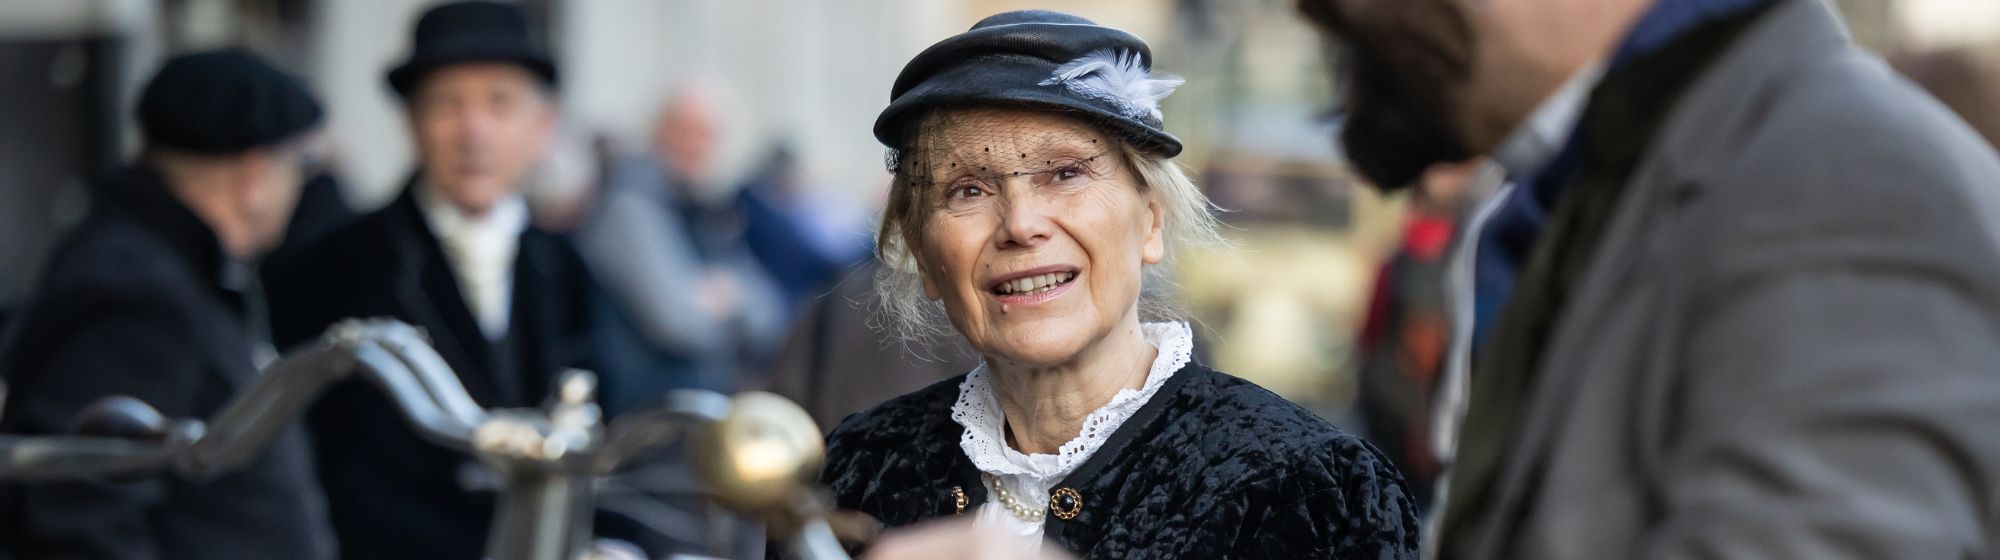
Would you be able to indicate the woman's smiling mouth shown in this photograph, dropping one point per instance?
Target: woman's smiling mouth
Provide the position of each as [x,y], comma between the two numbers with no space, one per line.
[1034,286]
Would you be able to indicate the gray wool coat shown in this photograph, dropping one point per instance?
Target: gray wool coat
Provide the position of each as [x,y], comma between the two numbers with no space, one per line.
[1787,344]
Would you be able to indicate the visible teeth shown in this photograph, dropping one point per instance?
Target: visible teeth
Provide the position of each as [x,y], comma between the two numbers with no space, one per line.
[1040,283]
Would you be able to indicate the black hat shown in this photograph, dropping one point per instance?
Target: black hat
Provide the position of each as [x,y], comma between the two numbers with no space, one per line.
[474,31]
[1016,58]
[224,101]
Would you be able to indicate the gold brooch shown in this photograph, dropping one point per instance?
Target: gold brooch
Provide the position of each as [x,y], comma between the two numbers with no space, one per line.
[1065,503]
[958,499]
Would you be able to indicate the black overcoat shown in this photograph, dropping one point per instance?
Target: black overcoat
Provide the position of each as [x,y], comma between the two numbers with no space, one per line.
[139,300]
[394,494]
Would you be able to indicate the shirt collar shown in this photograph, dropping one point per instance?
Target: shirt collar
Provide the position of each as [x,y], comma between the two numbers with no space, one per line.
[507,219]
[1667,20]
[1537,141]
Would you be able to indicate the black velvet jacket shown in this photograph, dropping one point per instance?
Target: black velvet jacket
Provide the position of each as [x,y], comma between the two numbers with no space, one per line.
[1211,467]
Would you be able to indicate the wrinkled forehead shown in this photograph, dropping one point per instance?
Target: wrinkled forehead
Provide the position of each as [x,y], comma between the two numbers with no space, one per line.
[1000,139]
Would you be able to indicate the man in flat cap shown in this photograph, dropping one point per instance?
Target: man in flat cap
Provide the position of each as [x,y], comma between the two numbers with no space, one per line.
[153,296]
[1742,300]
[456,255]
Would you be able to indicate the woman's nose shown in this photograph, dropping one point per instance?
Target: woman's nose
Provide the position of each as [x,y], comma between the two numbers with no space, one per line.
[1024,216]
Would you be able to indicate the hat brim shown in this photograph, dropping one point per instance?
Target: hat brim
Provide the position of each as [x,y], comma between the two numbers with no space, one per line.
[972,84]
[405,78]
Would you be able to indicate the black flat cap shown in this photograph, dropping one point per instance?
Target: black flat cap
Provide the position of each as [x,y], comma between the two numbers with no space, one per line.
[475,31]
[224,101]
[1012,59]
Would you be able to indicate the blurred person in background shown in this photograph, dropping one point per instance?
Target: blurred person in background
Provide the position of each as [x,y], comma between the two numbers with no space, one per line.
[1743,299]
[455,255]
[687,144]
[561,190]
[1035,194]
[804,235]
[154,296]
[1407,329]
[320,211]
[685,303]
[837,361]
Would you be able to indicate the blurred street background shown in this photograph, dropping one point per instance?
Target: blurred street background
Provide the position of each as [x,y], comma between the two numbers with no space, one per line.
[1329,293]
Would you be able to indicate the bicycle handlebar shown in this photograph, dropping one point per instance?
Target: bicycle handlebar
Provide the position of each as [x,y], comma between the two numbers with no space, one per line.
[549,456]
[392,355]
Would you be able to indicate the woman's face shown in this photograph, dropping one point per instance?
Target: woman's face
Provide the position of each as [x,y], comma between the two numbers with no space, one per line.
[1036,235]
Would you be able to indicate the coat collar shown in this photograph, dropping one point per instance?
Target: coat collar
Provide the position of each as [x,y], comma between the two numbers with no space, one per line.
[140,193]
[1727,91]
[1740,80]
[1537,141]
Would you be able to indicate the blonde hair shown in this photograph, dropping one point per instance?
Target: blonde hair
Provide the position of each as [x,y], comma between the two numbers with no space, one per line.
[915,320]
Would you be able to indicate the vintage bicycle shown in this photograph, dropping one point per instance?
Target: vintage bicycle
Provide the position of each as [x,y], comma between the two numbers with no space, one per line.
[756,453]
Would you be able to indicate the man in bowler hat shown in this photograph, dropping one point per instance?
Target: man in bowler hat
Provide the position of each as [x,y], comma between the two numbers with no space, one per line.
[153,296]
[454,254]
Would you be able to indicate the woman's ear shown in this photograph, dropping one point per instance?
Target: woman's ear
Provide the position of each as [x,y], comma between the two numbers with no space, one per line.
[1156,242]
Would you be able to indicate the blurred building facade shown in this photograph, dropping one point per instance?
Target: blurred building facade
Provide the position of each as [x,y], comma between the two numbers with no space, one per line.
[1282,308]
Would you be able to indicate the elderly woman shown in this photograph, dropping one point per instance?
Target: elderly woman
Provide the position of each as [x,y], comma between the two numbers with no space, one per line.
[1034,193]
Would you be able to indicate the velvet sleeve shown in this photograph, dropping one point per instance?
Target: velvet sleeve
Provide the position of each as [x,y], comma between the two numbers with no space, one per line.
[894,461]
[1341,500]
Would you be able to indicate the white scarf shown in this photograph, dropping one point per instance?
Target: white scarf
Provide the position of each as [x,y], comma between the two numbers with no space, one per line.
[481,250]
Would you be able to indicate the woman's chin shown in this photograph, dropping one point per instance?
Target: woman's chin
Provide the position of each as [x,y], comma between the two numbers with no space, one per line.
[1039,345]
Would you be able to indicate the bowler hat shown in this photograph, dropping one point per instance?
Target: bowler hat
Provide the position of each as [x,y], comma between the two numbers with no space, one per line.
[471,31]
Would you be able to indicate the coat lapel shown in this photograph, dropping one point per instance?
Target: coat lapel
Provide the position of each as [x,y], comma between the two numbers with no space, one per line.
[1607,283]
[1597,234]
[427,291]
[534,327]
[1686,137]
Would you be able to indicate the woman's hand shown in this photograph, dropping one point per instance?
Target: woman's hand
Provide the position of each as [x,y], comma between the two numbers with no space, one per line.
[958,539]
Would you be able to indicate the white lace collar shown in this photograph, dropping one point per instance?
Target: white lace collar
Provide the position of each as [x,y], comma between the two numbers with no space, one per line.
[978,410]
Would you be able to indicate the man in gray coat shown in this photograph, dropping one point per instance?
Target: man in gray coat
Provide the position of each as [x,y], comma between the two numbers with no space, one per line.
[1741,301]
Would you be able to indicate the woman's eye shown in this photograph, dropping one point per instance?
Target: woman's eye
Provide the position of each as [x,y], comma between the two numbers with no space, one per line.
[1067,174]
[966,191]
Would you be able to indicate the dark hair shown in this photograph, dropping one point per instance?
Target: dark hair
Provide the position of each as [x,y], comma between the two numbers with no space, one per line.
[1401,60]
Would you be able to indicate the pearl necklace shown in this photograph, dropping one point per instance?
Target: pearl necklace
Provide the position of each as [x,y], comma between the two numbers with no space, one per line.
[1030,514]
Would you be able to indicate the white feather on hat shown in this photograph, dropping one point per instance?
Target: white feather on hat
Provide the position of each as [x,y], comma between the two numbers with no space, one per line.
[1120,78]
